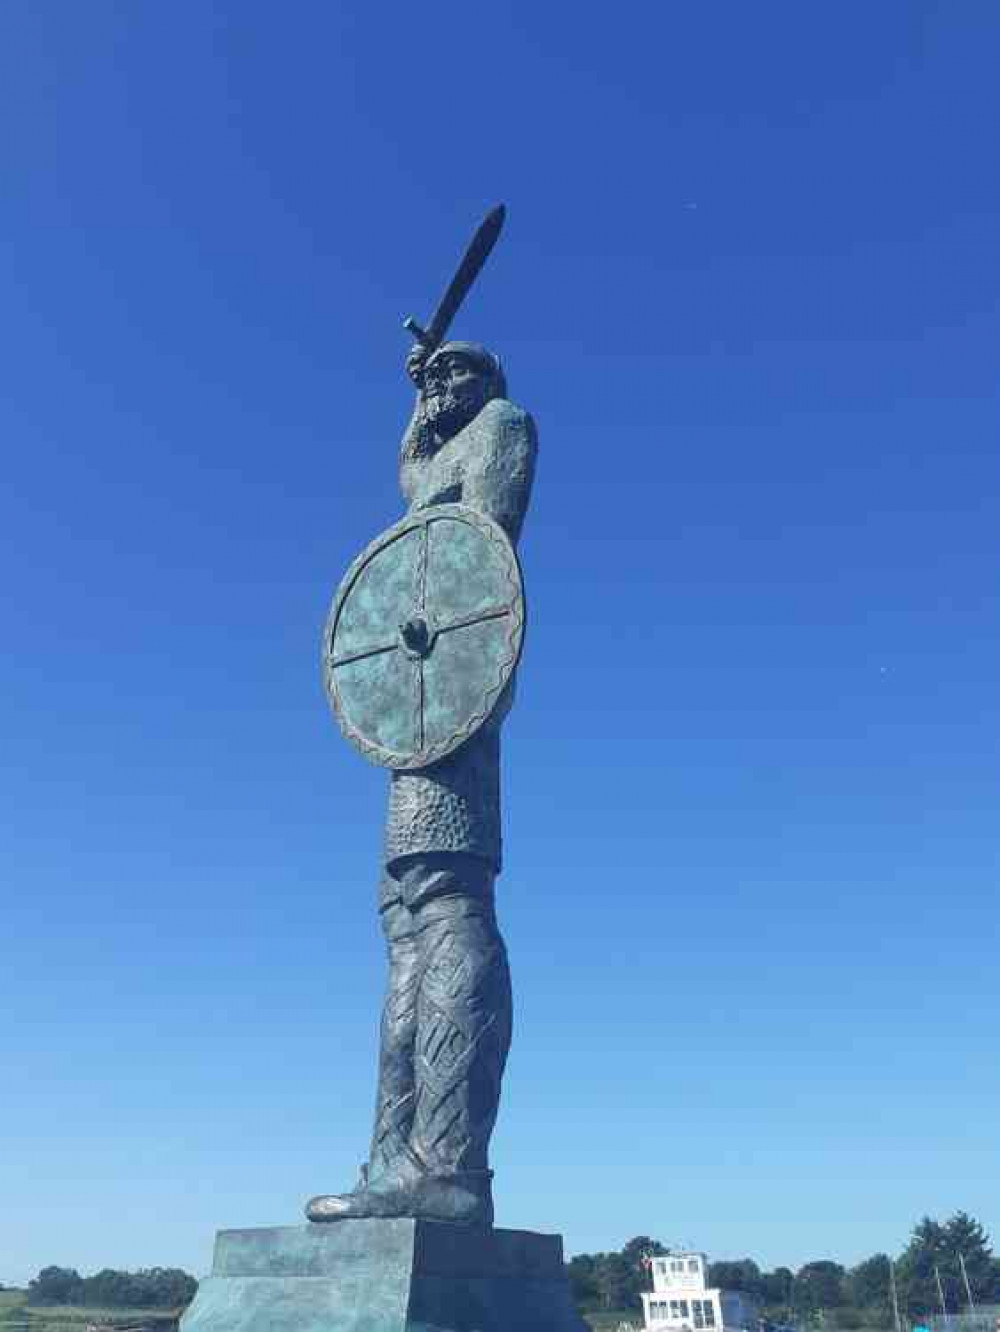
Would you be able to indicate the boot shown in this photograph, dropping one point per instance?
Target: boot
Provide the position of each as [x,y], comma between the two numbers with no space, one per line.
[461,1198]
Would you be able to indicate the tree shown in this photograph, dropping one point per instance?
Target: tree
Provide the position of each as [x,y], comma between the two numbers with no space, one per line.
[636,1249]
[582,1273]
[775,1287]
[55,1285]
[964,1235]
[868,1284]
[933,1252]
[616,1284]
[926,1251]
[741,1274]
[818,1285]
[149,1288]
[111,1289]
[613,1280]
[169,1287]
[602,1280]
[635,1252]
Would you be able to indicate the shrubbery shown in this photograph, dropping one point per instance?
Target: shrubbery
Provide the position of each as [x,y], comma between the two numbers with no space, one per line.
[150,1288]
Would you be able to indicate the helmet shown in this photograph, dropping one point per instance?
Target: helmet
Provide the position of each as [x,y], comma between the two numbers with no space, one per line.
[480,357]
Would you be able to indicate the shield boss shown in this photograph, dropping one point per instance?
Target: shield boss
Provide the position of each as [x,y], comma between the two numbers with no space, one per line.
[423,636]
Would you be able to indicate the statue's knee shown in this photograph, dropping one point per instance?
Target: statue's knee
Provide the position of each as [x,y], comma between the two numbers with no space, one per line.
[466,957]
[397,924]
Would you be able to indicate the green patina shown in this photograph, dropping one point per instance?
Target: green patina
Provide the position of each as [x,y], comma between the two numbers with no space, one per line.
[399,1275]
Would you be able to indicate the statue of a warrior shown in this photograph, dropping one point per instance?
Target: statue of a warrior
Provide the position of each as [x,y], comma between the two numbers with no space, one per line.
[446,1024]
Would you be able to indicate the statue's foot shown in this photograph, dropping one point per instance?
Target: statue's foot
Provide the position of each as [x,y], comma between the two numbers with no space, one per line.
[464,1198]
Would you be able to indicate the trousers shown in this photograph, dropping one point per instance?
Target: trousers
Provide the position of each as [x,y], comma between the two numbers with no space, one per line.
[446,1021]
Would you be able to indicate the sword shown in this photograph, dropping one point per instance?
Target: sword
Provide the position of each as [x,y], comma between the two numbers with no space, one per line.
[468,270]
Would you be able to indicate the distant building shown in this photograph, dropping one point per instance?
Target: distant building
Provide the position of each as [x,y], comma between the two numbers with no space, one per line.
[681,1302]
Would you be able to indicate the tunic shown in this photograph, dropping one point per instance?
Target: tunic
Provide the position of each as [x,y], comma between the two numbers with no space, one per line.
[454,805]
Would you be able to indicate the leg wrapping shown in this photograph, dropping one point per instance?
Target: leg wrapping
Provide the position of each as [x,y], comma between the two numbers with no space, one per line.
[395,1098]
[463,1033]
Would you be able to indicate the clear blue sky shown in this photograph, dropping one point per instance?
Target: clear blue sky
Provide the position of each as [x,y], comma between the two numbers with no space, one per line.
[749,287]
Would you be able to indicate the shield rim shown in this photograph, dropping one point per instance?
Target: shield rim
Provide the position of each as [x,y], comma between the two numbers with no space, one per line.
[494,533]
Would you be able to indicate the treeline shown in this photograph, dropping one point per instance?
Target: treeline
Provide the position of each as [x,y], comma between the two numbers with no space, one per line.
[853,1297]
[150,1288]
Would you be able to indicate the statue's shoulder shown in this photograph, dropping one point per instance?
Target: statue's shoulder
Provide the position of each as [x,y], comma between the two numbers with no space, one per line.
[504,414]
[507,426]
[500,463]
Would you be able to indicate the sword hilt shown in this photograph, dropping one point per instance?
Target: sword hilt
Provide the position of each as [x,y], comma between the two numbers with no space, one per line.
[421,334]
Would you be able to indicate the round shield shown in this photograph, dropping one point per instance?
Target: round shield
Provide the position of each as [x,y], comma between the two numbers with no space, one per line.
[424,633]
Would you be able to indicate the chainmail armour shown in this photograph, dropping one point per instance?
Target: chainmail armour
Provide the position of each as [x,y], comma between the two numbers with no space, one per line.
[452,806]
[447,1016]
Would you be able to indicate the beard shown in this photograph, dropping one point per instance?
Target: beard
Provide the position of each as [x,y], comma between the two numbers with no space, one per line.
[451,410]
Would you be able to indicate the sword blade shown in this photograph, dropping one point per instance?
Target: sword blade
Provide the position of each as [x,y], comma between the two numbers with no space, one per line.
[467,272]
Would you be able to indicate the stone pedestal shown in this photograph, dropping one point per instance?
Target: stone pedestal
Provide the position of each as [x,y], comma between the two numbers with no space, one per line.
[384,1276]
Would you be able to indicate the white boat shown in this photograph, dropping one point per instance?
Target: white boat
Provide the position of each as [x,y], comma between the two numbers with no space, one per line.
[680,1301]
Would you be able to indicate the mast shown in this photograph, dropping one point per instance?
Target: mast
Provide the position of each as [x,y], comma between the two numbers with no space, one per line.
[895,1298]
[968,1288]
[944,1308]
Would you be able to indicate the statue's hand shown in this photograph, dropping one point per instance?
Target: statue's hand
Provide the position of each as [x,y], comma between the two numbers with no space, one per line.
[415,363]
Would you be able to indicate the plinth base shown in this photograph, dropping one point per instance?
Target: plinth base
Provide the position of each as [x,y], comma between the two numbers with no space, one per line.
[384,1276]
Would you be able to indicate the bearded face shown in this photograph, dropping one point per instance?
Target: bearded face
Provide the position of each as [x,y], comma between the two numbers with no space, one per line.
[454,391]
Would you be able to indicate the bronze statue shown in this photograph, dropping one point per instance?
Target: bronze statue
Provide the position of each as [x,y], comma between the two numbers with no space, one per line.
[419,659]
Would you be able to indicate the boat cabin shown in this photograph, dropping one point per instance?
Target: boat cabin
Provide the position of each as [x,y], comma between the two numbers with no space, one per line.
[680,1301]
